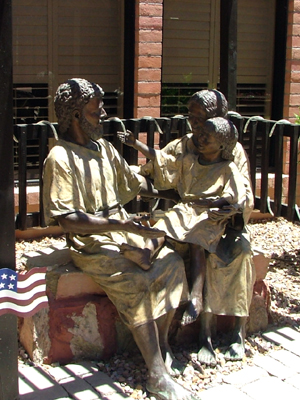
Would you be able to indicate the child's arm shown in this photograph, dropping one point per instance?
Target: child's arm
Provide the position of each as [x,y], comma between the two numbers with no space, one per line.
[129,139]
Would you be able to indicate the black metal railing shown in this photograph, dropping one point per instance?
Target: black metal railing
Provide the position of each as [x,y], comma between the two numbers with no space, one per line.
[266,155]
[270,145]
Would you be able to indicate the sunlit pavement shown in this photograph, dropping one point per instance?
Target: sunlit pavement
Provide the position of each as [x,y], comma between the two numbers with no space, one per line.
[275,375]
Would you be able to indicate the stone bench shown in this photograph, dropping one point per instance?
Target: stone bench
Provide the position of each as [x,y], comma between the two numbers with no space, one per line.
[82,323]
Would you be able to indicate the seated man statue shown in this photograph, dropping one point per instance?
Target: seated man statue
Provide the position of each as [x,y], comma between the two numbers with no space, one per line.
[86,184]
[230,273]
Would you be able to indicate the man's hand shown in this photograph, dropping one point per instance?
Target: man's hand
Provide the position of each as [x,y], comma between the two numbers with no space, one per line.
[127,138]
[170,194]
[206,203]
[135,226]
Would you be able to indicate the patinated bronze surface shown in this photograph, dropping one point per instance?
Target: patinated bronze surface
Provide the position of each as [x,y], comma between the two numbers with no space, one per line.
[85,175]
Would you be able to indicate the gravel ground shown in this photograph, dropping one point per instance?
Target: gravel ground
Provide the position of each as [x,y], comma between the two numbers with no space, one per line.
[280,240]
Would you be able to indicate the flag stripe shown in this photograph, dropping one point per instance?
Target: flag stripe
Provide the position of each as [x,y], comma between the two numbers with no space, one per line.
[26,311]
[32,271]
[21,303]
[8,294]
[42,282]
[31,280]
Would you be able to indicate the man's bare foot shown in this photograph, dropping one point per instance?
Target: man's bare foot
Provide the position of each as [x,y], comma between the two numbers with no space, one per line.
[193,310]
[235,352]
[207,355]
[140,256]
[165,388]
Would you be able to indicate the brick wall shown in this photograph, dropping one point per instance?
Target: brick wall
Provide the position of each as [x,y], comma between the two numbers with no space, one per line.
[292,74]
[148,58]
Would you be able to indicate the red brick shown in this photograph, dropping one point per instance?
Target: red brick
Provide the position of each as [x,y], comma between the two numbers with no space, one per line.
[292,65]
[293,41]
[294,29]
[150,23]
[288,56]
[151,1]
[296,18]
[150,75]
[289,41]
[152,101]
[294,100]
[151,62]
[290,18]
[289,30]
[296,53]
[151,111]
[151,10]
[286,112]
[286,98]
[143,137]
[148,88]
[292,110]
[295,88]
[288,77]
[154,49]
[150,36]
[297,6]
[295,65]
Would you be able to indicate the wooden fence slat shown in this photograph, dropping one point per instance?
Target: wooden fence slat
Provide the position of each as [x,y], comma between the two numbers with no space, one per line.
[131,156]
[278,170]
[264,128]
[22,157]
[165,138]
[293,163]
[252,152]
[43,147]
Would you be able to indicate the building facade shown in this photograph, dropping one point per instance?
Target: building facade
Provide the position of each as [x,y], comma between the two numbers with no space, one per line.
[149,55]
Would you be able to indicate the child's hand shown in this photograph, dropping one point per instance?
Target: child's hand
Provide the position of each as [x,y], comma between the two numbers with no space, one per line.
[223,213]
[127,137]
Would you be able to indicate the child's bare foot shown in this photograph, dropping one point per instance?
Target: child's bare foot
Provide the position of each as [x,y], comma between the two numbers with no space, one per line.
[207,355]
[193,310]
[174,367]
[140,256]
[235,352]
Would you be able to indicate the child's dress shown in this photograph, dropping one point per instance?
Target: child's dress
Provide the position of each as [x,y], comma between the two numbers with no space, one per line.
[195,181]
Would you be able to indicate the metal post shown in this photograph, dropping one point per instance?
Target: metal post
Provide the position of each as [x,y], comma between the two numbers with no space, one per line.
[228,51]
[8,322]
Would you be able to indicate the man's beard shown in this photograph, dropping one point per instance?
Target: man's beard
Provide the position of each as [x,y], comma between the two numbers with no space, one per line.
[93,132]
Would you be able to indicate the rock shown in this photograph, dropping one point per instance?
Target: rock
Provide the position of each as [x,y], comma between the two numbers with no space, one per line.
[261,262]
[259,309]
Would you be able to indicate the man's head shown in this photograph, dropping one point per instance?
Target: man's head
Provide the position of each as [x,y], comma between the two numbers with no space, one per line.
[70,101]
[224,132]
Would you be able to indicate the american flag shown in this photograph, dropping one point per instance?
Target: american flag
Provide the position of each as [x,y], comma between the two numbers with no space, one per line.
[22,294]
